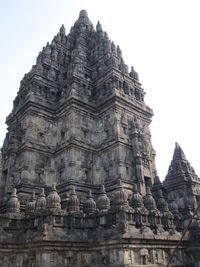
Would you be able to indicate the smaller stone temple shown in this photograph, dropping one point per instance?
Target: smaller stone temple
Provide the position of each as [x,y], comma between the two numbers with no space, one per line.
[78,180]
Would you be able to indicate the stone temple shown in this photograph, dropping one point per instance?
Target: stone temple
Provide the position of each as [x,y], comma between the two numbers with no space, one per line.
[78,182]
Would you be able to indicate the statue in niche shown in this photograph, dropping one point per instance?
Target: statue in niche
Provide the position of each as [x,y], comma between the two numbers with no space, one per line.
[135,126]
[40,179]
[137,142]
[41,170]
[114,83]
[138,124]
[145,144]
[125,88]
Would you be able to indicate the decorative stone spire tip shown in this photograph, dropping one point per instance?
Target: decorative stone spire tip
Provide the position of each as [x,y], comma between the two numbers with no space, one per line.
[102,189]
[14,192]
[178,153]
[99,27]
[42,193]
[54,187]
[83,13]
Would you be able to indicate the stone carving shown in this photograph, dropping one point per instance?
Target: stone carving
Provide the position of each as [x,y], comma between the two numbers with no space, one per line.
[30,206]
[13,205]
[53,200]
[90,205]
[80,123]
[41,201]
[103,202]
[73,203]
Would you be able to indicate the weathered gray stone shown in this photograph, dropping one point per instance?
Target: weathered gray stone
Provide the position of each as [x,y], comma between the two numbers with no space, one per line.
[79,124]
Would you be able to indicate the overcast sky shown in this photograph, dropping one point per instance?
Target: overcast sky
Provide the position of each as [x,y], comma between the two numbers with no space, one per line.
[161,39]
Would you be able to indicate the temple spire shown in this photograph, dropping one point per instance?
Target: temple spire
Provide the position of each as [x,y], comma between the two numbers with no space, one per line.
[62,30]
[99,27]
[83,20]
[83,14]
[178,153]
[180,166]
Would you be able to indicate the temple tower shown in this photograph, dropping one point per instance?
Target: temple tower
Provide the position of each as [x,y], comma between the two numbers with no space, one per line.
[79,117]
[78,182]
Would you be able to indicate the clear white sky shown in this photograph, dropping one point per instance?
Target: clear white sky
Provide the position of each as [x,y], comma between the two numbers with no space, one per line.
[160,38]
